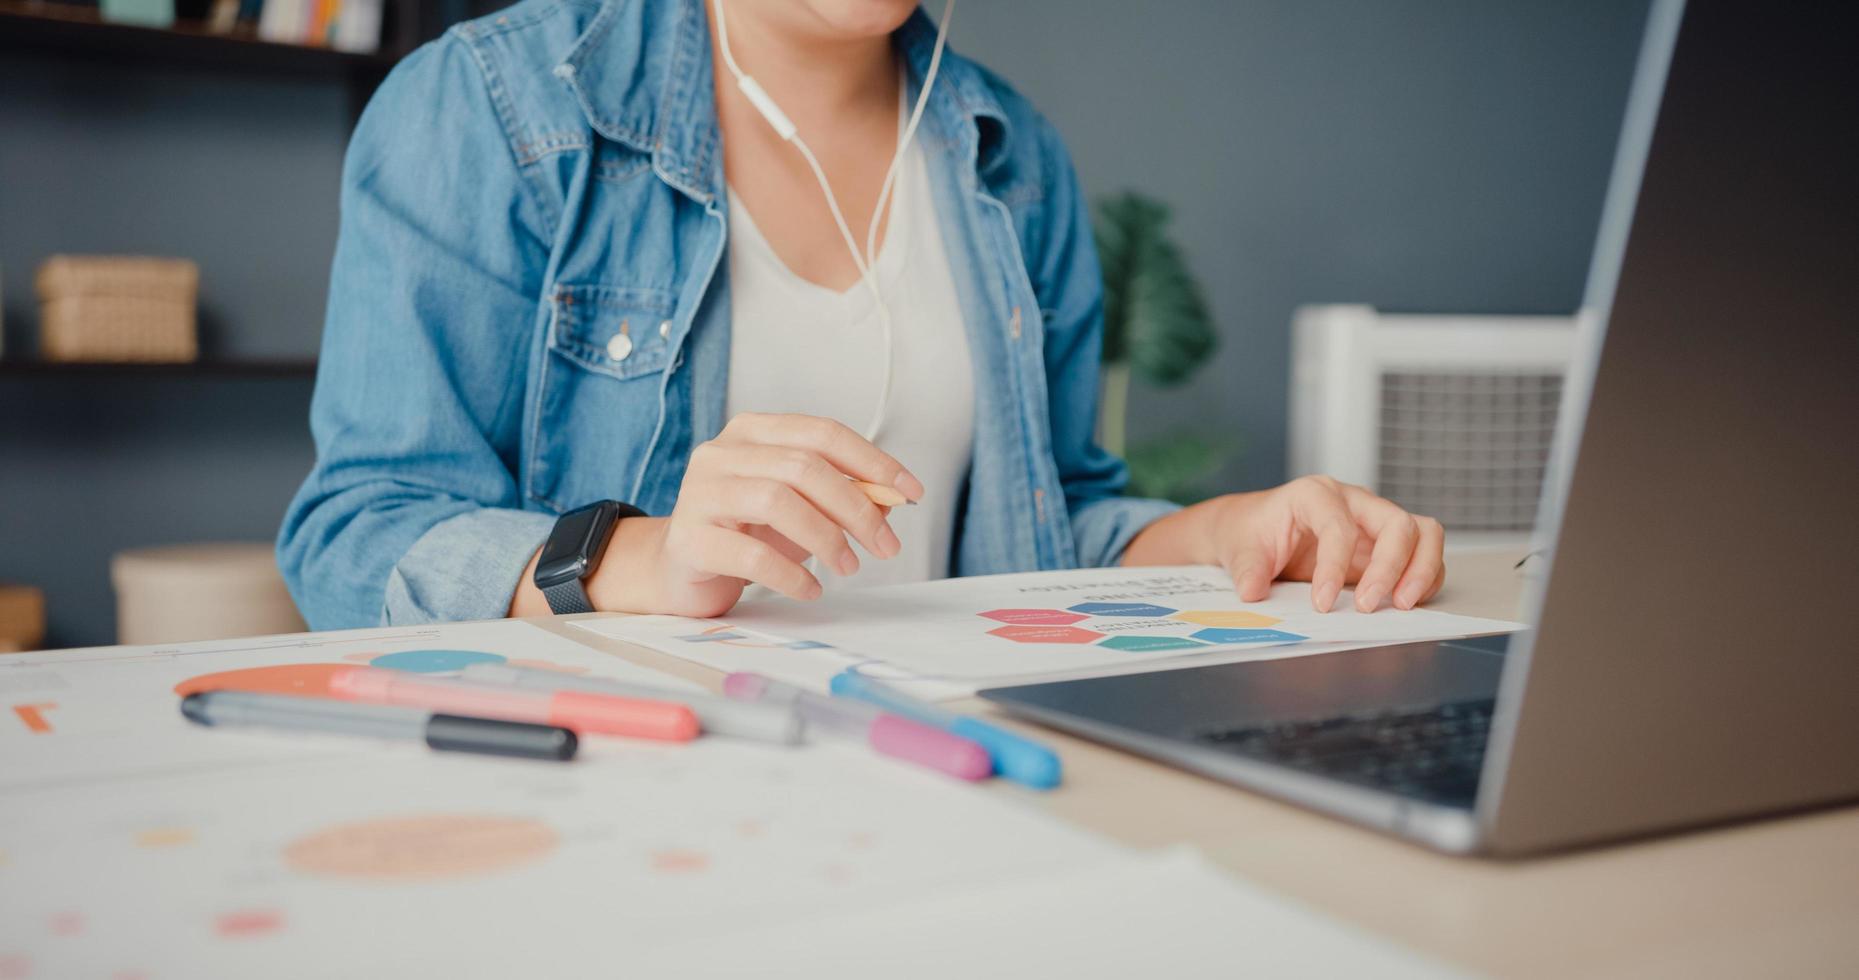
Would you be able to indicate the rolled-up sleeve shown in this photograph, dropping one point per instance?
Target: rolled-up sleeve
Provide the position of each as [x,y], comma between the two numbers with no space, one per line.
[412,512]
[1071,289]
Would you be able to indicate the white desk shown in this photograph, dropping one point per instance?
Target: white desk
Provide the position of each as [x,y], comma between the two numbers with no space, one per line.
[1778,898]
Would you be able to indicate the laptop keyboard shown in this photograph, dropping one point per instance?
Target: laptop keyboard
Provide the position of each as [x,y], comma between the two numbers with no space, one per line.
[1432,753]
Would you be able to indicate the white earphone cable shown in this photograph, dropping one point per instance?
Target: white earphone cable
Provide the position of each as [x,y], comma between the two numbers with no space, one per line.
[865,261]
[910,131]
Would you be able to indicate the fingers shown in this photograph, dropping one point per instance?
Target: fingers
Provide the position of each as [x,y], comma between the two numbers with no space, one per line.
[848,452]
[825,489]
[1426,572]
[1253,568]
[720,551]
[1395,532]
[1251,540]
[774,489]
[1394,545]
[1439,582]
[1322,510]
[758,500]
[1318,528]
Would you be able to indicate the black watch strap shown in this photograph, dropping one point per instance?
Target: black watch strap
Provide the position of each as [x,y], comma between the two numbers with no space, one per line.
[573,552]
[568,597]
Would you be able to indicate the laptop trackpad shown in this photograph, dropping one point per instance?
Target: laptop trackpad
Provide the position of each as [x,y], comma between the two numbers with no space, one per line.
[1180,703]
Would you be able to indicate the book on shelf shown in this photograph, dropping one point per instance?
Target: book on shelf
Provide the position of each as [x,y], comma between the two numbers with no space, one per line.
[223,16]
[346,25]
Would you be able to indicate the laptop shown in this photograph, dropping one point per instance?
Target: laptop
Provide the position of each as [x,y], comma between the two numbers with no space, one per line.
[1695,654]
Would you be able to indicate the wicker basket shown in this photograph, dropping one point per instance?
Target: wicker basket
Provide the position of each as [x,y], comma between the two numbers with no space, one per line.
[117,308]
[22,618]
[206,591]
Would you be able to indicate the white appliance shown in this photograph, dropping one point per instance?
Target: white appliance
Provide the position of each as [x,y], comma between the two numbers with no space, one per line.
[1449,416]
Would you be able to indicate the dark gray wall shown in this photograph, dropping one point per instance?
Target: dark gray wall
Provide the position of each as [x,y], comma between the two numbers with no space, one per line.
[234,170]
[95,465]
[1442,155]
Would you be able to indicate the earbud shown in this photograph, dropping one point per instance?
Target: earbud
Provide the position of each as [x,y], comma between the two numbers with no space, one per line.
[784,127]
[765,104]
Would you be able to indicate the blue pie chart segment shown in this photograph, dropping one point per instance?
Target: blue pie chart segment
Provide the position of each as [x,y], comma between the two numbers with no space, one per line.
[434,661]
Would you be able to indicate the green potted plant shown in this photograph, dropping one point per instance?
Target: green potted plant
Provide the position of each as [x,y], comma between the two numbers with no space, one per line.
[1157,329]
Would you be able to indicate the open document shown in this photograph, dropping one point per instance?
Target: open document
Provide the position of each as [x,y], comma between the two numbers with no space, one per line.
[134,843]
[954,636]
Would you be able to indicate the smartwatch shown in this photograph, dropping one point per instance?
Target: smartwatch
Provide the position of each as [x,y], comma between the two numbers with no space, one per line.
[573,551]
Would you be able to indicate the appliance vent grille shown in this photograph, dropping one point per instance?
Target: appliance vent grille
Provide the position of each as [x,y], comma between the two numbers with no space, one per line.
[1467,448]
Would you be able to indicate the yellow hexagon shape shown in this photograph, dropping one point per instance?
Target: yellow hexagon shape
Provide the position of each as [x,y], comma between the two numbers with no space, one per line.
[1233,619]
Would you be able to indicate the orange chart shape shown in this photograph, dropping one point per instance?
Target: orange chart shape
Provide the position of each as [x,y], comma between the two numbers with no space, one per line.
[305,680]
[1227,618]
[422,846]
[33,716]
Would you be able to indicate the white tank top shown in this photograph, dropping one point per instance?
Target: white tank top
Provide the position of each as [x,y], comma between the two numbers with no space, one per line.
[799,347]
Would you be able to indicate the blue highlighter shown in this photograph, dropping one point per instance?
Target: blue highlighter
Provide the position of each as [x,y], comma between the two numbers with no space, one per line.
[1017,758]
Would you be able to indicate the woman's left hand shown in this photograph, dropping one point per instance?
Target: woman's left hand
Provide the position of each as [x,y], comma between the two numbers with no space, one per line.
[1313,529]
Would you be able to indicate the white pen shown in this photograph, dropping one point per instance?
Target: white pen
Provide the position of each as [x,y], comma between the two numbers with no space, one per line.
[718,716]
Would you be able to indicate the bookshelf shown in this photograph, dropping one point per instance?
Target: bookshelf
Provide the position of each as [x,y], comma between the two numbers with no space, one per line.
[98,457]
[20,367]
[80,31]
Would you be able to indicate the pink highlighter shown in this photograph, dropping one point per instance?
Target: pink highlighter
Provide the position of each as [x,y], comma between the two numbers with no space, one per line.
[886,733]
[579,711]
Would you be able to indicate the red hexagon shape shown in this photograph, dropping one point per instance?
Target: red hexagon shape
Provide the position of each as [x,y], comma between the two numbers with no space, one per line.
[1034,617]
[1045,634]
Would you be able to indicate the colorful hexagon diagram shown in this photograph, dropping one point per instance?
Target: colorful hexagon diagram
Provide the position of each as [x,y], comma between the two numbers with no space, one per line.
[1045,634]
[1121,609]
[1150,644]
[1232,619]
[1033,617]
[1216,635]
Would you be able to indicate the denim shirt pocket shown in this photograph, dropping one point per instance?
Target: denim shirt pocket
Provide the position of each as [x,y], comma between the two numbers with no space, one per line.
[612,330]
[608,349]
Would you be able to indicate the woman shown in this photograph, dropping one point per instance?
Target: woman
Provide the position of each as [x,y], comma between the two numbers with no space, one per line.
[578,263]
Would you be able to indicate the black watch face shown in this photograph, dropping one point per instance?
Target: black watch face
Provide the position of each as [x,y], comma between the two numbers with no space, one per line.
[576,537]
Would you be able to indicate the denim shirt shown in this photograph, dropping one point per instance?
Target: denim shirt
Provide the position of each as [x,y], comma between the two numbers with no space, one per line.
[535,182]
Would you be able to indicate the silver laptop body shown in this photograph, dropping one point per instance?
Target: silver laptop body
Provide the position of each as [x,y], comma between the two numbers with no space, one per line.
[1696,652]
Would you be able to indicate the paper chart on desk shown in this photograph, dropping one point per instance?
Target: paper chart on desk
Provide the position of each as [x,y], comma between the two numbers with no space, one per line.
[78,715]
[135,843]
[428,864]
[955,635]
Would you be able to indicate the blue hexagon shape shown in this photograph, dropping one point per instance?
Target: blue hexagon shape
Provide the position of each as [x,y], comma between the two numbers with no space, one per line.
[1217,635]
[1149,644]
[1121,609]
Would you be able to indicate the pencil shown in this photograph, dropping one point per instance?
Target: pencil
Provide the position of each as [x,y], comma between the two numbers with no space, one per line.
[882,495]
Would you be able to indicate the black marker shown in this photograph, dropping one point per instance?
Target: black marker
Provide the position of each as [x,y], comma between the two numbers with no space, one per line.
[456,733]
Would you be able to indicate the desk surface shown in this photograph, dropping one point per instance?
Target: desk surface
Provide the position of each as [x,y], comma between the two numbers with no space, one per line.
[1771,898]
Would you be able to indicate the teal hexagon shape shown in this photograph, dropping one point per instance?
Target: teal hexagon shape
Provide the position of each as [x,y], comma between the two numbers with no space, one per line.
[1149,644]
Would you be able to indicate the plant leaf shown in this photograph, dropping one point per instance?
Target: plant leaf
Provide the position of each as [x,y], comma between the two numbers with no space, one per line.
[1177,466]
[1155,316]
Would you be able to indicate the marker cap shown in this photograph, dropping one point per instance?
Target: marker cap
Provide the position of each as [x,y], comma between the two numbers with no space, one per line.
[905,739]
[491,737]
[363,683]
[608,715]
[745,685]
[1022,760]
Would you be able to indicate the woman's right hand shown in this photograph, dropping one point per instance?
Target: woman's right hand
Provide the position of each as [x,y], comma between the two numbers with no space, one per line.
[768,492]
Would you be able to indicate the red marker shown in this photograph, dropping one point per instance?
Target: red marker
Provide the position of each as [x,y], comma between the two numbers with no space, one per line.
[580,711]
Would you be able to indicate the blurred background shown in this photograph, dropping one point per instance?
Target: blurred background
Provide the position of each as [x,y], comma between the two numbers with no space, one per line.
[1436,157]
